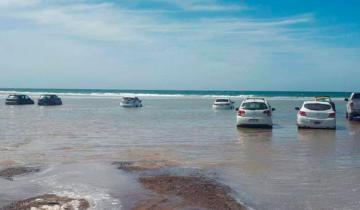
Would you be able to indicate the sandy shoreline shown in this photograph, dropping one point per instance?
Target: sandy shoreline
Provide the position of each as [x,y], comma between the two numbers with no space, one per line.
[163,191]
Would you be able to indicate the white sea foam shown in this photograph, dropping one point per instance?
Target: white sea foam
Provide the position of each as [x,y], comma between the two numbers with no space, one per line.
[4,94]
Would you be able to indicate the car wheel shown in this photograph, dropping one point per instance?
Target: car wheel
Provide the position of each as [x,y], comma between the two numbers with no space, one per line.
[351,117]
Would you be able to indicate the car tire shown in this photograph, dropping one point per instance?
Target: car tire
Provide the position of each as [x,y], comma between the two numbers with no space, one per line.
[351,117]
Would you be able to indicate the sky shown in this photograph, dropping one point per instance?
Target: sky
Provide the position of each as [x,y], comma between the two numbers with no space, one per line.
[302,45]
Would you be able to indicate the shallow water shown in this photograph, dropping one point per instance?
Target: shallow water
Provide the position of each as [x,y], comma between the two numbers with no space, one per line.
[281,168]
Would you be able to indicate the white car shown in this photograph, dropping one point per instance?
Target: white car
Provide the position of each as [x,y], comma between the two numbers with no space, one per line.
[353,106]
[254,112]
[316,114]
[129,102]
[223,103]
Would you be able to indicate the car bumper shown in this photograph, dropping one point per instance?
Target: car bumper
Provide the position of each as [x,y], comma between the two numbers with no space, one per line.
[328,123]
[130,105]
[253,122]
[223,106]
[355,113]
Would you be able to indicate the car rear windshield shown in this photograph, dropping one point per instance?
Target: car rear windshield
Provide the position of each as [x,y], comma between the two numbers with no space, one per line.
[318,107]
[254,106]
[12,97]
[356,96]
[222,100]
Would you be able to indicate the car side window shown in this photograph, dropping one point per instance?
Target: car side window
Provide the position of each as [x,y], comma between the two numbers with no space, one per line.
[356,96]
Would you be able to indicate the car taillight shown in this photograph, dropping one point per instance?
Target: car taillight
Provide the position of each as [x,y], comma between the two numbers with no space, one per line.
[352,104]
[302,113]
[241,113]
[332,115]
[267,112]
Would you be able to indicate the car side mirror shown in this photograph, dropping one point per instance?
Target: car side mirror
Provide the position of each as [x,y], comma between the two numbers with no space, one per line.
[297,108]
[346,99]
[237,109]
[273,109]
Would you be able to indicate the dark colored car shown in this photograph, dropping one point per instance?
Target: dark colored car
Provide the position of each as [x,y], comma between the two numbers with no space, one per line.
[18,99]
[49,100]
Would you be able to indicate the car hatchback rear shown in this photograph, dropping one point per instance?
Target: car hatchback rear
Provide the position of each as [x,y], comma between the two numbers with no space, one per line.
[18,100]
[314,114]
[254,112]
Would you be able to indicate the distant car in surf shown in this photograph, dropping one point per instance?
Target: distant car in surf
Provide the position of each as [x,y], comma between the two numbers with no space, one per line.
[223,103]
[255,112]
[326,99]
[316,114]
[49,100]
[18,99]
[353,106]
[129,102]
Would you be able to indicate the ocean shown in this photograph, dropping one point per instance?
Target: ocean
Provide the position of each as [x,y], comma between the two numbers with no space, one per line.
[76,143]
[173,93]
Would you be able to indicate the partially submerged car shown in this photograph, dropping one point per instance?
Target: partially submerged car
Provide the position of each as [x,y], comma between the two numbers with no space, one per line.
[326,99]
[223,103]
[316,114]
[129,102]
[255,112]
[353,106]
[49,100]
[18,99]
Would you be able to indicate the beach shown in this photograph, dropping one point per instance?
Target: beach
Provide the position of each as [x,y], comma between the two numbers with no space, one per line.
[90,148]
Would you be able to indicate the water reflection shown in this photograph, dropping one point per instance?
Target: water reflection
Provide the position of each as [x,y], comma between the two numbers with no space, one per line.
[354,127]
[255,134]
[254,150]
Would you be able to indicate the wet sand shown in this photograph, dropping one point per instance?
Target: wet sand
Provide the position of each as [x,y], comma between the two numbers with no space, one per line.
[195,191]
[179,191]
[9,173]
[75,144]
[48,202]
[159,190]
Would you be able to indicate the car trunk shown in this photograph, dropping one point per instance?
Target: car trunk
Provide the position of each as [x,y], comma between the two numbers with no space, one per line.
[317,114]
[254,113]
[356,103]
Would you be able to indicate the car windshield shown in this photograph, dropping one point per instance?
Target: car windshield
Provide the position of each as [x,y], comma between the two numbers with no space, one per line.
[356,96]
[44,97]
[254,106]
[317,107]
[222,100]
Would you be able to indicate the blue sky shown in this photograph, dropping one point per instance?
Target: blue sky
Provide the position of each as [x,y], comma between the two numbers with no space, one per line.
[181,44]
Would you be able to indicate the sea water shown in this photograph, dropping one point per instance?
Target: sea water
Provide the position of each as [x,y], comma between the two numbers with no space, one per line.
[75,144]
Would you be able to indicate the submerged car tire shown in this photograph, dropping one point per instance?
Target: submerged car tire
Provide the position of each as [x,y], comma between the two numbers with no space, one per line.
[350,117]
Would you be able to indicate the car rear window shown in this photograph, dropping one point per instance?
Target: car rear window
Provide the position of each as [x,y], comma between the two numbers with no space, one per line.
[12,97]
[222,100]
[254,106]
[318,107]
[356,96]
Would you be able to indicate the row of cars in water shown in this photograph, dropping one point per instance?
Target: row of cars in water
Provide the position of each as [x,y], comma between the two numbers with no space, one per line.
[54,100]
[44,100]
[318,113]
[253,111]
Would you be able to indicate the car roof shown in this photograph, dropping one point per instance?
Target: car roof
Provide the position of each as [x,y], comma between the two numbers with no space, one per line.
[129,97]
[48,95]
[16,94]
[316,102]
[255,99]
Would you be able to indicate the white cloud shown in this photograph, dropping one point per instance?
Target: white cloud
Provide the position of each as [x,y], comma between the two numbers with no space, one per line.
[18,3]
[205,52]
